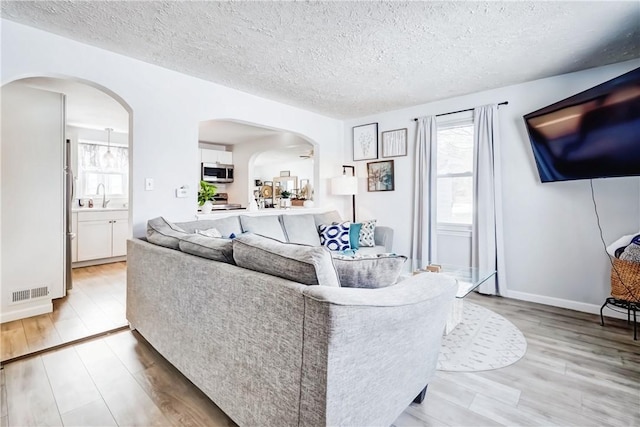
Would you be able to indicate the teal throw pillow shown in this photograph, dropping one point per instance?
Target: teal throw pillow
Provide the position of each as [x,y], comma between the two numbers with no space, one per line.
[354,235]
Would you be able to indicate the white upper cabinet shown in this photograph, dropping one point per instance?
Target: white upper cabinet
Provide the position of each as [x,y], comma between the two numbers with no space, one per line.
[216,156]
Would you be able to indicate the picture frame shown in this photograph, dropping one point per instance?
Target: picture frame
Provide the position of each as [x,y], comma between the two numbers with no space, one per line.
[380,176]
[394,143]
[285,173]
[365,142]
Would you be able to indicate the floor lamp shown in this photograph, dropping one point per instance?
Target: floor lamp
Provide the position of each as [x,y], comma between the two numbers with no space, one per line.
[345,185]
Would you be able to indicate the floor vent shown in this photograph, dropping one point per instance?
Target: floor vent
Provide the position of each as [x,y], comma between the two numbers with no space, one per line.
[29,294]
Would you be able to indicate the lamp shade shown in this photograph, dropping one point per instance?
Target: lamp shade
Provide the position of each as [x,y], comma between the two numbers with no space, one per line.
[344,185]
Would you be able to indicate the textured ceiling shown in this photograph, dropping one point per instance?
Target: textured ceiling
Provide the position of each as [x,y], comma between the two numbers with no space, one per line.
[349,59]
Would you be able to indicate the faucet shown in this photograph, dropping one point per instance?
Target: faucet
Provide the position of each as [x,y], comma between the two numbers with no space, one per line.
[105,202]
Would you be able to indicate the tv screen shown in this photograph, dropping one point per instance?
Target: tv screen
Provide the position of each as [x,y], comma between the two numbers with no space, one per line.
[594,134]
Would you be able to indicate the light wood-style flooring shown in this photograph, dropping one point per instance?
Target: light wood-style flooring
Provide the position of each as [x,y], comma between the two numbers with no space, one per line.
[95,304]
[575,373]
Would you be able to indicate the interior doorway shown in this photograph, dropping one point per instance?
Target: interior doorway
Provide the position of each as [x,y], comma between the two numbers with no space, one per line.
[97,125]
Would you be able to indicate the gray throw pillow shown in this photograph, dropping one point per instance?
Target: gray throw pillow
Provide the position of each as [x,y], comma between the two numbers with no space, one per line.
[268,226]
[163,233]
[326,218]
[214,248]
[375,271]
[301,229]
[300,263]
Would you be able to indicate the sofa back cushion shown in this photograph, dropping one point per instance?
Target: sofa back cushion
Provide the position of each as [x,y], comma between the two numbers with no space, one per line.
[371,271]
[214,248]
[326,218]
[301,229]
[226,226]
[164,233]
[300,263]
[267,226]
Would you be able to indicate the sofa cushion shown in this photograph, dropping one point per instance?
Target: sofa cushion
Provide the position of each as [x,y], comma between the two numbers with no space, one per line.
[164,233]
[211,232]
[267,226]
[226,226]
[301,229]
[367,233]
[335,236]
[304,264]
[326,218]
[214,248]
[371,271]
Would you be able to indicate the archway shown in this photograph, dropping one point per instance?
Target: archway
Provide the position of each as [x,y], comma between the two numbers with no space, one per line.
[36,308]
[251,141]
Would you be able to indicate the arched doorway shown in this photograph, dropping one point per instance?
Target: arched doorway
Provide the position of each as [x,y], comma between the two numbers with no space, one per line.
[40,127]
[260,154]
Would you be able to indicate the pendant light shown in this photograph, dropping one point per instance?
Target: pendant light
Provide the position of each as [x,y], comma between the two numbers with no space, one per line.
[108,157]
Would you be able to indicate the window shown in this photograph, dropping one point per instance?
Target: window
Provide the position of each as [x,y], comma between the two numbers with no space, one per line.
[94,169]
[455,173]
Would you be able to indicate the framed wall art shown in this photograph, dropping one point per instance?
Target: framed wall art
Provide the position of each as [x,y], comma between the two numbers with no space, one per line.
[365,142]
[394,143]
[380,176]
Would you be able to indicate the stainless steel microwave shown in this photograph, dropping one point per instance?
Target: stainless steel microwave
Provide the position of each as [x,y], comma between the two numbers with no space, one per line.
[216,172]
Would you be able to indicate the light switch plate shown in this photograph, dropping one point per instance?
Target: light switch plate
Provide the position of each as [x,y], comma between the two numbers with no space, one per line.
[148,184]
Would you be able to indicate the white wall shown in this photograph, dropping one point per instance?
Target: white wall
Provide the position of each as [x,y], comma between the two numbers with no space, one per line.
[166,108]
[552,244]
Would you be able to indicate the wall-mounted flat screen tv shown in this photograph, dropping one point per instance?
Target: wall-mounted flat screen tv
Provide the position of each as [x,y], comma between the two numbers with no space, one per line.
[594,134]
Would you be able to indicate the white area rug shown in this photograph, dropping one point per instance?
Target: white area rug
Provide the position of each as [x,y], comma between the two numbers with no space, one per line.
[484,340]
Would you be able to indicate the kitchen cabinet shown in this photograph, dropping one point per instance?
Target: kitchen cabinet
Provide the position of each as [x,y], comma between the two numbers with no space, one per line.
[102,234]
[216,156]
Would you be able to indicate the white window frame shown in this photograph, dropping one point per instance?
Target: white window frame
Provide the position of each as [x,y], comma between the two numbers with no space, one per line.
[125,175]
[464,118]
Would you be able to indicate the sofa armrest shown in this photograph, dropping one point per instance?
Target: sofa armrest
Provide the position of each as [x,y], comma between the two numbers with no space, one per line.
[383,236]
[371,345]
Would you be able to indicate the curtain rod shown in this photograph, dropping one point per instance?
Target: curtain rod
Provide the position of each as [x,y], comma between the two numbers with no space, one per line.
[462,111]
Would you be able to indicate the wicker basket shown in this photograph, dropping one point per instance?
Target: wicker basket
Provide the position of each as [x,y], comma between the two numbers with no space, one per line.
[625,280]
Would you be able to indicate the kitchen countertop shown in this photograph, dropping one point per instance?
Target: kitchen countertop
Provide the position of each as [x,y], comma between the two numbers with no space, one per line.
[99,209]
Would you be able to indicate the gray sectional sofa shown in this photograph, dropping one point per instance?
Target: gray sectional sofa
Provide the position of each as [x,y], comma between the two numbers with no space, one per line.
[271,351]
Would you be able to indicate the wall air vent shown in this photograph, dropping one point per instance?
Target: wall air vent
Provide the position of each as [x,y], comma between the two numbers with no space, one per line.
[29,294]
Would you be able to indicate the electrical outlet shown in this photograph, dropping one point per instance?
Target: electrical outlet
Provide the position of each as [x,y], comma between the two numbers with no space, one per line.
[148,184]
[181,193]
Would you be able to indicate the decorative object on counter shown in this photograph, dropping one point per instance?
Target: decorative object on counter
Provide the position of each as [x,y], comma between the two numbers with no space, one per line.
[285,201]
[345,185]
[365,142]
[257,182]
[380,176]
[90,203]
[308,203]
[394,143]
[253,205]
[80,203]
[285,173]
[206,194]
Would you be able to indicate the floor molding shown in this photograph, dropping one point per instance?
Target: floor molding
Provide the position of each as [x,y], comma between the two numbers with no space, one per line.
[34,310]
[565,303]
[63,345]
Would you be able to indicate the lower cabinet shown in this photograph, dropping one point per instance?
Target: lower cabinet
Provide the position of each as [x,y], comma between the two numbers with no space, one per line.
[102,234]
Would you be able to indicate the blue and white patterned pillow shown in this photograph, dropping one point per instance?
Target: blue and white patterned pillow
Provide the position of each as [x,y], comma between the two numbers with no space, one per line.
[335,237]
[367,233]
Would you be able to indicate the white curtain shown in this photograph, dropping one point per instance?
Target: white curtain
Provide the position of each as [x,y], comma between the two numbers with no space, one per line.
[486,241]
[424,201]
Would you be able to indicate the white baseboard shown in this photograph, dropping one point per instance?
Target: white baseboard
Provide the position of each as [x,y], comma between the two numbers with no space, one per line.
[98,261]
[565,303]
[22,313]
